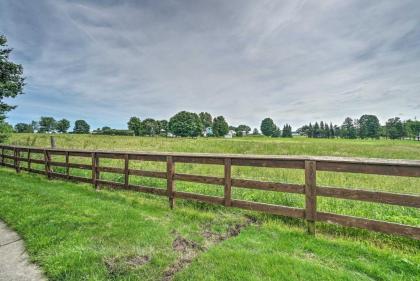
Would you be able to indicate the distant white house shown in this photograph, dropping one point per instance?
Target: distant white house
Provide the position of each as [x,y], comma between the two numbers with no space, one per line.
[208,132]
[230,134]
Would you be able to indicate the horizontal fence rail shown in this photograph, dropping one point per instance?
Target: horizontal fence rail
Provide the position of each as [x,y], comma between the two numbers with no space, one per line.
[11,156]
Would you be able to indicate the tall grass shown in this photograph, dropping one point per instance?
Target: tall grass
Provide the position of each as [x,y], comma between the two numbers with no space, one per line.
[257,145]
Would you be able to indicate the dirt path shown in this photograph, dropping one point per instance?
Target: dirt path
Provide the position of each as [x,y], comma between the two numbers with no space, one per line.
[14,261]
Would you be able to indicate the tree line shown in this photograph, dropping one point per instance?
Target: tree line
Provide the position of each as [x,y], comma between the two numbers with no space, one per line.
[185,124]
[365,127]
[50,125]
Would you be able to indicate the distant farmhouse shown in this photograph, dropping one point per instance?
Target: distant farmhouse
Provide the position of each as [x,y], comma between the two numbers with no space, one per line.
[208,132]
[230,134]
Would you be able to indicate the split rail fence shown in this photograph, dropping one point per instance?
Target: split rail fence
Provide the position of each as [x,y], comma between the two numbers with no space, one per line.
[11,156]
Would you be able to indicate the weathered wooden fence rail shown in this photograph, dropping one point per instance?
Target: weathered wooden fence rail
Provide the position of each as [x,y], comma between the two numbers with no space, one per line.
[11,156]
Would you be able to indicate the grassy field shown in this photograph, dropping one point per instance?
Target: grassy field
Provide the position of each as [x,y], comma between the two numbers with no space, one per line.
[247,145]
[257,253]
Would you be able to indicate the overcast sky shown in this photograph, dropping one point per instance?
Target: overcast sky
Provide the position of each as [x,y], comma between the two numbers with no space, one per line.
[294,61]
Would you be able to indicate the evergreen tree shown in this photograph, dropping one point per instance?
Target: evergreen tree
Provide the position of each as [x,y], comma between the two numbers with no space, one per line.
[327,131]
[316,132]
[332,132]
[276,133]
[311,131]
[287,131]
[348,130]
[322,130]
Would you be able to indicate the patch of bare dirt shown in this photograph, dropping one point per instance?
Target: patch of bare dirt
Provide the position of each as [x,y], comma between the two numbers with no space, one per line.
[189,249]
[116,265]
[234,230]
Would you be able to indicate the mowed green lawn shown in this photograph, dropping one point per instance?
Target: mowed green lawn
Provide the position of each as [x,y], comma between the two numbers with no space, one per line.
[74,232]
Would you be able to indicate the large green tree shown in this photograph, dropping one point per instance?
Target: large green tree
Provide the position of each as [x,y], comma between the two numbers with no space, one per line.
[394,128]
[63,125]
[243,130]
[412,128]
[206,119]
[163,126]
[268,128]
[81,127]
[11,79]
[185,124]
[134,124]
[369,127]
[23,128]
[47,124]
[220,126]
[149,127]
[348,130]
[5,131]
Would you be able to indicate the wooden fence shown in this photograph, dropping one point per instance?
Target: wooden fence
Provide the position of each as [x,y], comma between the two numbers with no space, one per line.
[11,156]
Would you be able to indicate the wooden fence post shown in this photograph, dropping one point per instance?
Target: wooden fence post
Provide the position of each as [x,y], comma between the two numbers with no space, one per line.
[2,156]
[228,182]
[170,172]
[310,192]
[17,162]
[52,141]
[47,159]
[68,165]
[94,170]
[126,172]
[29,160]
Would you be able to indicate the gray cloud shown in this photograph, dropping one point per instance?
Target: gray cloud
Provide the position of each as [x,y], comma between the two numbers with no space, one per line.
[292,60]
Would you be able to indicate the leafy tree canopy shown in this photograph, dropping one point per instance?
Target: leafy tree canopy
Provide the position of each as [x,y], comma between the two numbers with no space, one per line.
[369,127]
[149,127]
[134,124]
[186,124]
[11,79]
[268,128]
[47,124]
[23,128]
[63,125]
[206,119]
[220,126]
[394,128]
[81,127]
